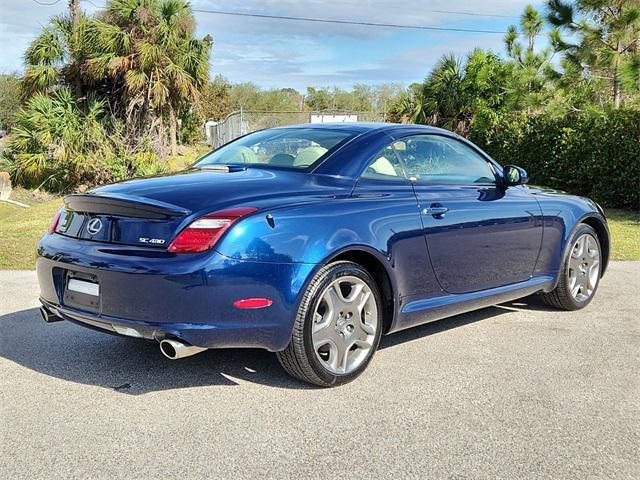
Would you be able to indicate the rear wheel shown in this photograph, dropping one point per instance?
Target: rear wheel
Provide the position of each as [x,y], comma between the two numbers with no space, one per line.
[337,327]
[580,274]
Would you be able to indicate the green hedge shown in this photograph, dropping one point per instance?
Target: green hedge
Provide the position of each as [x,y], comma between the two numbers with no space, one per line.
[596,155]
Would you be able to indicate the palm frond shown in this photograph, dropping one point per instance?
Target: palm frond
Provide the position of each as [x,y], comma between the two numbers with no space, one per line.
[47,49]
[39,78]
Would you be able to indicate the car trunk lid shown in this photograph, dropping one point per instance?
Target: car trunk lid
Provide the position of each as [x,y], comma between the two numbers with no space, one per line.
[151,211]
[120,218]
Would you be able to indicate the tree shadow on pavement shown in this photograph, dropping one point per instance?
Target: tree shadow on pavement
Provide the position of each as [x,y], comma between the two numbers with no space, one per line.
[131,366]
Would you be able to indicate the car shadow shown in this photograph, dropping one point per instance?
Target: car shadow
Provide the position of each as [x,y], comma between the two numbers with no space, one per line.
[439,326]
[134,367]
[533,302]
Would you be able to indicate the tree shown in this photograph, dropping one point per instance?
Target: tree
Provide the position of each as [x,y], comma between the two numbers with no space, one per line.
[529,65]
[295,96]
[276,100]
[443,98]
[630,76]
[61,143]
[319,99]
[243,95]
[55,57]
[139,56]
[9,100]
[607,41]
[146,49]
[487,87]
[361,98]
[250,97]
[457,91]
[215,100]
[385,95]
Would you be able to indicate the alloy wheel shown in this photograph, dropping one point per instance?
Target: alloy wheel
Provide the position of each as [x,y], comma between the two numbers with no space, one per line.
[345,325]
[584,268]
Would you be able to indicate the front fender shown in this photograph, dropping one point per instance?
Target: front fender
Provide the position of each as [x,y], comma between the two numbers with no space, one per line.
[562,215]
[599,223]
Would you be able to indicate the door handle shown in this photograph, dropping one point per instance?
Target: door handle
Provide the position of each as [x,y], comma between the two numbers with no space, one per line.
[435,209]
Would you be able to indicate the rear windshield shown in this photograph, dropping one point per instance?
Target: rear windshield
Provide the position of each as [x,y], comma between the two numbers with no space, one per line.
[296,148]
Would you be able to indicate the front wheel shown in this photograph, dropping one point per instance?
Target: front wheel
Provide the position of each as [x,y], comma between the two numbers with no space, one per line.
[337,327]
[580,275]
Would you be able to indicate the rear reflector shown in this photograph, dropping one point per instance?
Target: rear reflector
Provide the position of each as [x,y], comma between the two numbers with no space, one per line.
[203,233]
[248,303]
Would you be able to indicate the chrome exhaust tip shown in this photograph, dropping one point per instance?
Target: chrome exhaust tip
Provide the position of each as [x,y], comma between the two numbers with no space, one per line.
[48,316]
[175,349]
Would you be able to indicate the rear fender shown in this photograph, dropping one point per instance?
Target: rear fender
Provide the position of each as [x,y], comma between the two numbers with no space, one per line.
[306,273]
[388,226]
[304,233]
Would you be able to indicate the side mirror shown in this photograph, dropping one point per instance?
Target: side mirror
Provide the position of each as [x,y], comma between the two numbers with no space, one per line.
[515,175]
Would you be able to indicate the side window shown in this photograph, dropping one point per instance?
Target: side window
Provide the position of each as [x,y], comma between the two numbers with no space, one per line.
[439,160]
[385,166]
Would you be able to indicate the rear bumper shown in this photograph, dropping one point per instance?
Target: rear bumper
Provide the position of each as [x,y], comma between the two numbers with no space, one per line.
[158,294]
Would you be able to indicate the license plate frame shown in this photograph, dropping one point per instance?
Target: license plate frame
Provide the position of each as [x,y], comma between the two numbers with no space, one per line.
[82,290]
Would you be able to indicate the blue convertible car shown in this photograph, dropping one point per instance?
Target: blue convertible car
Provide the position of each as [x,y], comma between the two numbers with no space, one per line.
[312,241]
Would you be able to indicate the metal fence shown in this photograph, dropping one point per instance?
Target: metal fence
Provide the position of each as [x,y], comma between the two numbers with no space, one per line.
[241,122]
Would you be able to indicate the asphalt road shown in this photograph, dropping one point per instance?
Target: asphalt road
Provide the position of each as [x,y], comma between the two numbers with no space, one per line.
[514,391]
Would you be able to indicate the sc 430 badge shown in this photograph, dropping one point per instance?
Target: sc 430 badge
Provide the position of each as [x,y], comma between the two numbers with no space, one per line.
[153,241]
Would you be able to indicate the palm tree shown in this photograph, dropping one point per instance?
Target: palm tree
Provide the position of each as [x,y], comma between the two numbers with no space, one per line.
[140,56]
[145,52]
[457,89]
[54,57]
[439,100]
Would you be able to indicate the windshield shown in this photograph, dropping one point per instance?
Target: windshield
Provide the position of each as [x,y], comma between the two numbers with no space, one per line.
[298,148]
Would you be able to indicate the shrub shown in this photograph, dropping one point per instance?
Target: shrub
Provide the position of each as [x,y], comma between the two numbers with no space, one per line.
[58,145]
[591,154]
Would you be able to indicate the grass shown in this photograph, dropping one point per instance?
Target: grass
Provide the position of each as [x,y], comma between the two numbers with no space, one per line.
[187,156]
[20,229]
[625,234]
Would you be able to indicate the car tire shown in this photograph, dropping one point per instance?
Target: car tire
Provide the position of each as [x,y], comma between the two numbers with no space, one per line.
[580,274]
[342,306]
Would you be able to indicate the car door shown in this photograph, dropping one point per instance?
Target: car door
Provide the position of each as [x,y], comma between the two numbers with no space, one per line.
[387,205]
[479,234]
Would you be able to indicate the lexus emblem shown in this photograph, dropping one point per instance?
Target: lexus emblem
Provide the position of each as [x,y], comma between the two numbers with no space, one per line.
[95,225]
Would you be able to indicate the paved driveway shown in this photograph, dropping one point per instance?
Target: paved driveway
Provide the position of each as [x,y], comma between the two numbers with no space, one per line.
[515,391]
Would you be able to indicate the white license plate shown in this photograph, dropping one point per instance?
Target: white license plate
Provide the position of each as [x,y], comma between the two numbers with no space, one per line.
[87,288]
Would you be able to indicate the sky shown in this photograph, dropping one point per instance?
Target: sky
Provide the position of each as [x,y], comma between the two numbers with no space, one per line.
[283,53]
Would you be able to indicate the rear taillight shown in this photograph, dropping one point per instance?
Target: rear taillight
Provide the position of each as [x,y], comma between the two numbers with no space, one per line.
[203,233]
[54,221]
